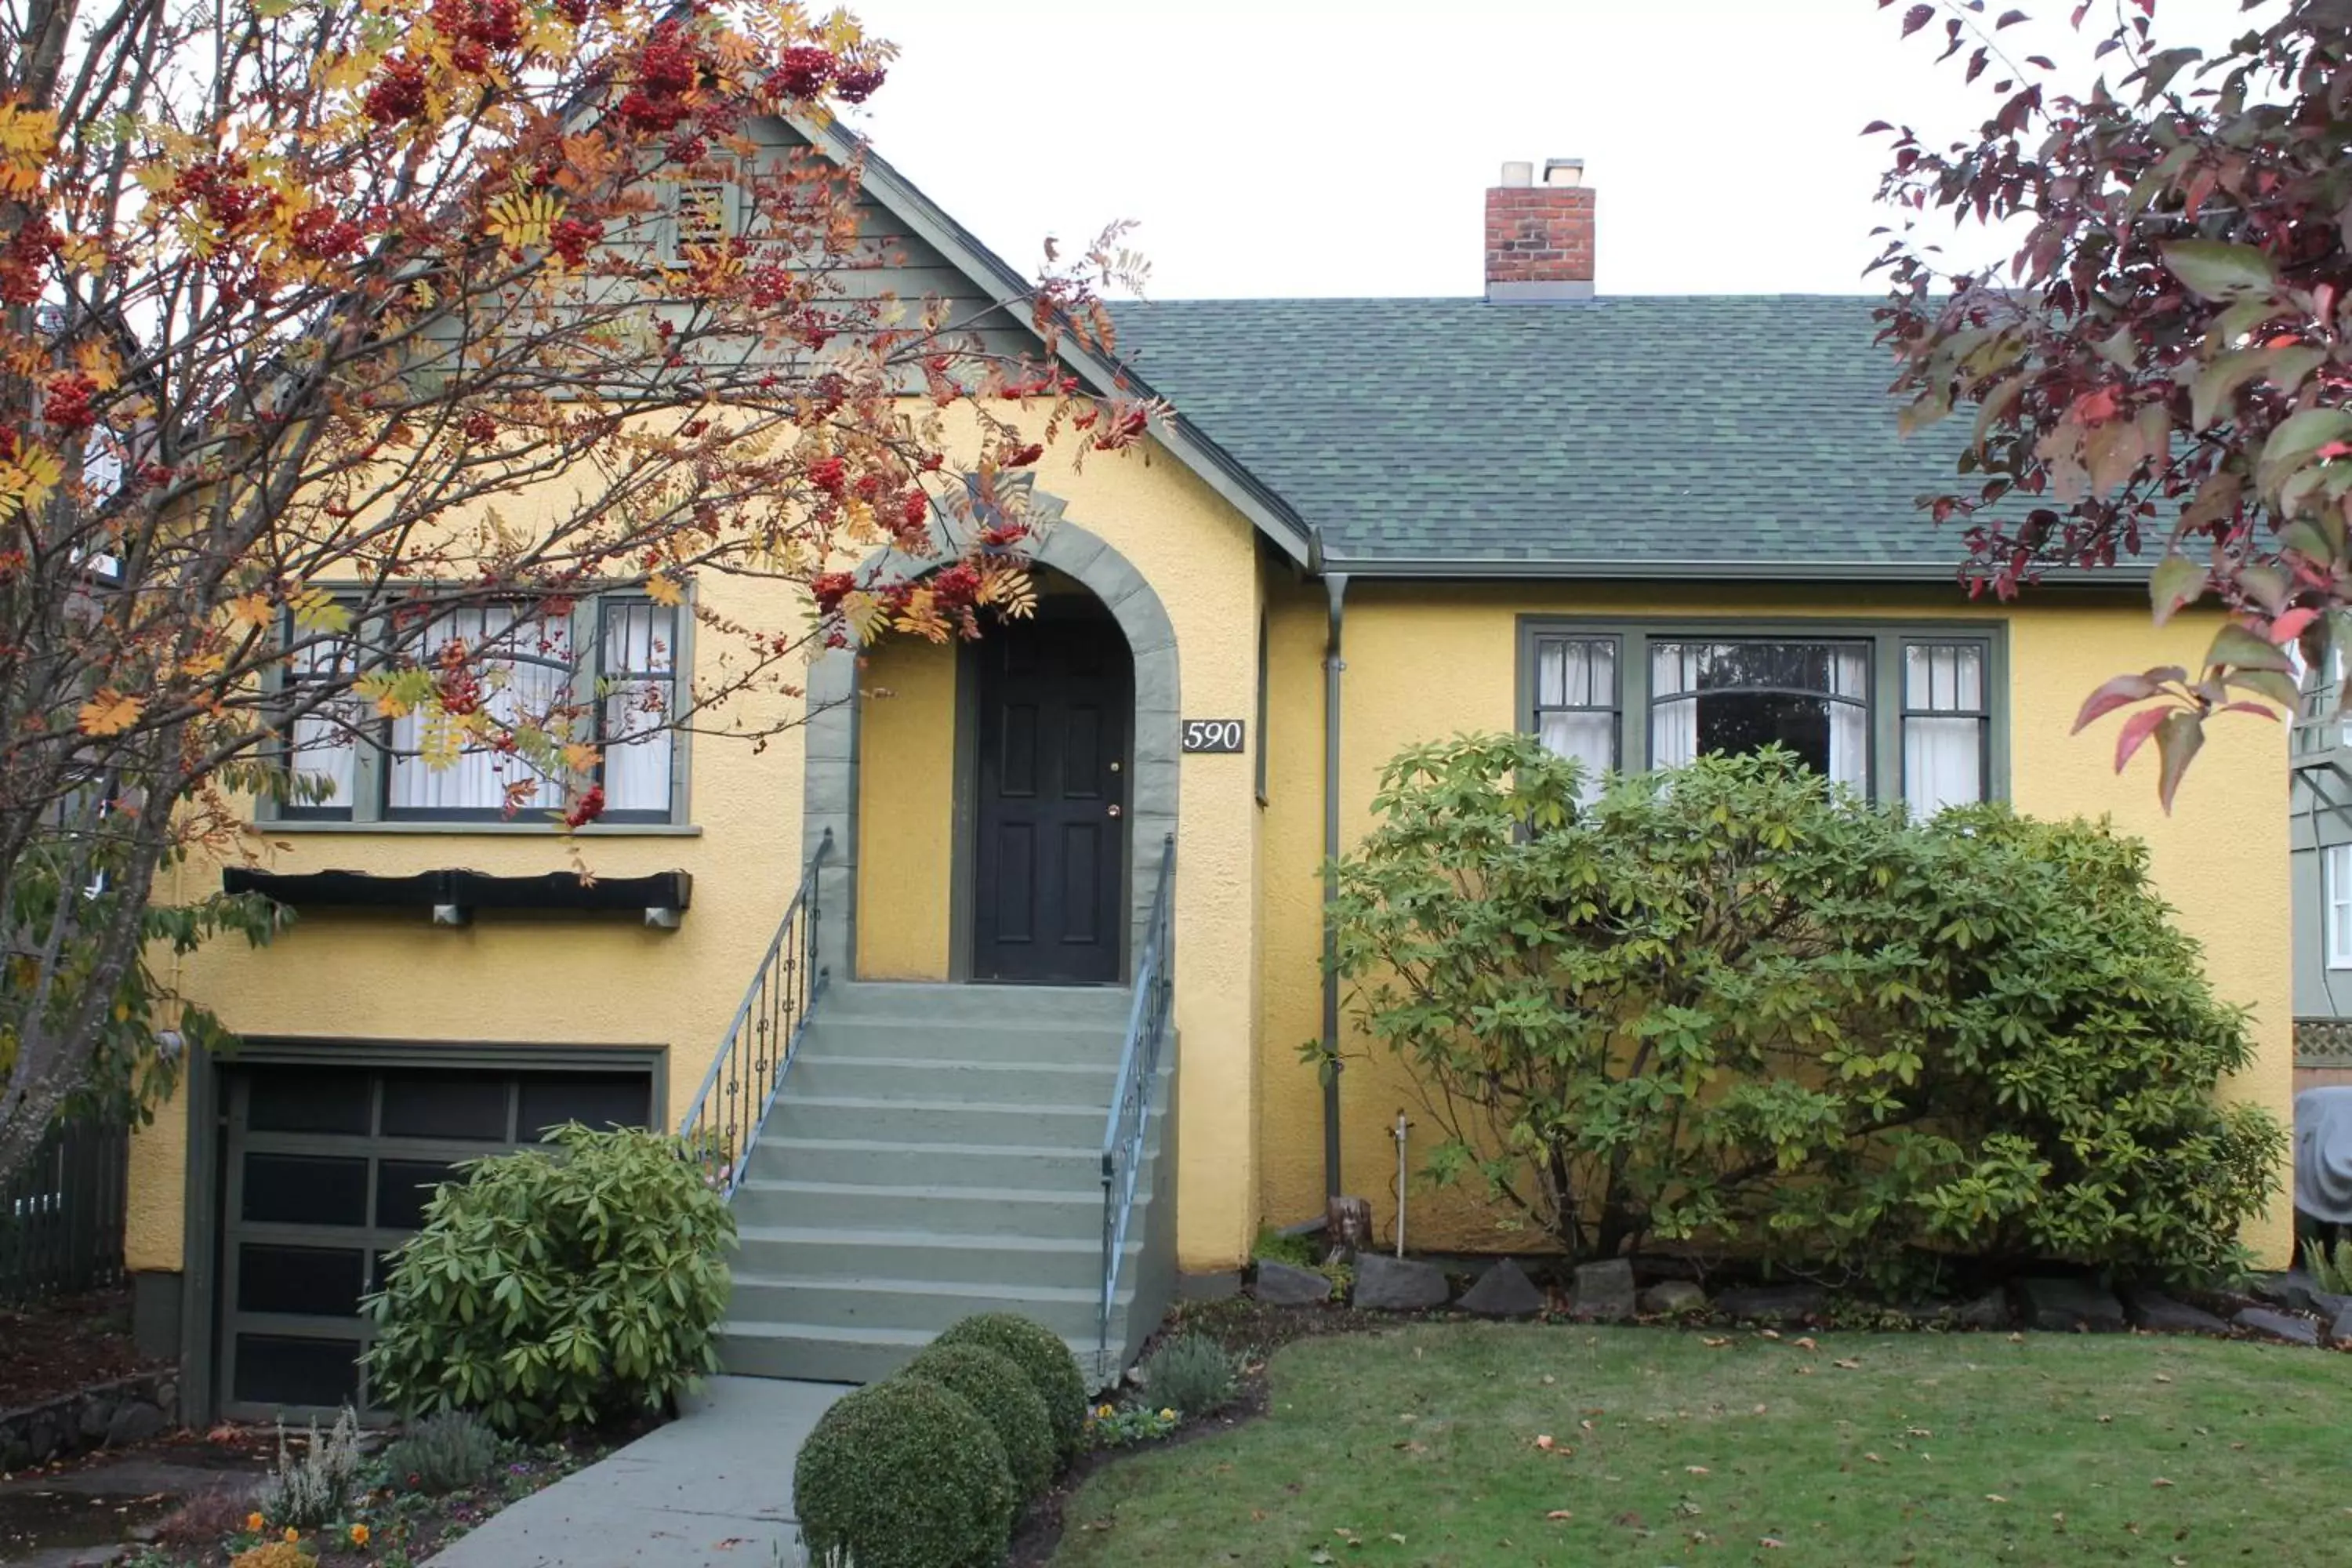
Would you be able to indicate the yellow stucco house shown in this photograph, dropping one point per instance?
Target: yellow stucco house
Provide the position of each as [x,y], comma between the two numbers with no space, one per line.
[1375,522]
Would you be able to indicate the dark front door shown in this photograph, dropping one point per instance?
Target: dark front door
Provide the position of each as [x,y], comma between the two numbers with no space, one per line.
[1050,837]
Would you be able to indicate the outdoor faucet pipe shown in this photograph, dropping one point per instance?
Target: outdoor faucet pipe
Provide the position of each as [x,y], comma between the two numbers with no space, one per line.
[1402,1127]
[1336,586]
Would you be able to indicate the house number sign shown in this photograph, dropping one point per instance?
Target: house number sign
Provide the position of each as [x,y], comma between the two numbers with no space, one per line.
[1213,734]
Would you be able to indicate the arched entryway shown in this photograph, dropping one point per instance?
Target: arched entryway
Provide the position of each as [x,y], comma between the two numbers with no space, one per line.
[1071,658]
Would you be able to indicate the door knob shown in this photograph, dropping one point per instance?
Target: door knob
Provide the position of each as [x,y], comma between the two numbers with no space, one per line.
[1113,811]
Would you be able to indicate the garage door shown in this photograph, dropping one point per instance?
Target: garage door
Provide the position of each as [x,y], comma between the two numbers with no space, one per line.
[328,1170]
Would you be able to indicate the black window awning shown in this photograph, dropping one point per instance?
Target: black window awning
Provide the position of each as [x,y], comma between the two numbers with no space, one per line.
[455,894]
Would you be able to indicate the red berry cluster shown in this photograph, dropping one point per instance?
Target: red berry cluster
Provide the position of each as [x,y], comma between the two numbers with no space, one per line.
[830,475]
[830,588]
[1003,535]
[25,258]
[573,237]
[957,587]
[575,12]
[915,509]
[857,84]
[487,24]
[66,403]
[459,689]
[802,72]
[669,67]
[1020,458]
[478,427]
[1124,430]
[398,95]
[217,188]
[587,808]
[321,234]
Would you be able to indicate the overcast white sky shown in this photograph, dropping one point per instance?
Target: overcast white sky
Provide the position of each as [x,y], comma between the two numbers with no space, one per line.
[1304,147]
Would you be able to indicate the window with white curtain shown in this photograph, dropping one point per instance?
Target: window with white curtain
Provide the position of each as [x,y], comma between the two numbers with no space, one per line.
[1576,702]
[611,661]
[1891,712]
[1718,698]
[2336,864]
[1946,725]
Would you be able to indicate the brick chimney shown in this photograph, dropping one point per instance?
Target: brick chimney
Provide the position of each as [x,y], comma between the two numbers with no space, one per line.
[1539,236]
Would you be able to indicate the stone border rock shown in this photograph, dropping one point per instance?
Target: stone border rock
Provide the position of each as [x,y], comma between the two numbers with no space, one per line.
[104,1415]
[1617,1291]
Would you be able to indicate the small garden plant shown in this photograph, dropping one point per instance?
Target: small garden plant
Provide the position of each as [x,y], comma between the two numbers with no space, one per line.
[442,1452]
[315,1488]
[1192,1374]
[558,1288]
[904,1474]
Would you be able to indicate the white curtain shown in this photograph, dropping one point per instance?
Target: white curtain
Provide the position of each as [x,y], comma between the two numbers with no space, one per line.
[640,672]
[322,743]
[1943,757]
[1850,722]
[525,675]
[1674,725]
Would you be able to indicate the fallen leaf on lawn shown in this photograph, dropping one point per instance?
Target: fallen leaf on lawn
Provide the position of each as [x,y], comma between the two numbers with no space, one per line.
[2159,1481]
[1850,1364]
[1586,1424]
[1257,1516]
[1320,1555]
[2106,1420]
[1873,1458]
[1995,1497]
[1412,1448]
[1916,1432]
[2163,1377]
[1543,1441]
[1762,1408]
[1397,1537]
[1804,1372]
[1549,1379]
[1805,1342]
[1771,1334]
[1714,1342]
[2017,1338]
[1559,1514]
[1696,1470]
[1768,1540]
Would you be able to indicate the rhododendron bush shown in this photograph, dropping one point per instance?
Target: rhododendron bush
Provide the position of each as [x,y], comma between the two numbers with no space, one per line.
[332,326]
[2163,367]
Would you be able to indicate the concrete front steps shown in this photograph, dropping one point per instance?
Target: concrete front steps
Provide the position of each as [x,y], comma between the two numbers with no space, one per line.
[936,1151]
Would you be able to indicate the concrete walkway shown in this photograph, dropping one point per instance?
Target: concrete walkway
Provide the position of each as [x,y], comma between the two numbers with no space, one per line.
[713,1487]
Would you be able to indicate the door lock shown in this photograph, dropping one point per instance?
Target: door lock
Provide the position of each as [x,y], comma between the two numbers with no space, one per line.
[1113,811]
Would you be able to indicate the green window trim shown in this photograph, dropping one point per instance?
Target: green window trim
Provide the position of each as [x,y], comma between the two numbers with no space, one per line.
[370,811]
[1628,639]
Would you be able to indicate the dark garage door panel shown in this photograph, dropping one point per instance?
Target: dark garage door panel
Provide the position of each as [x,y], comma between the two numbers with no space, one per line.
[328,1171]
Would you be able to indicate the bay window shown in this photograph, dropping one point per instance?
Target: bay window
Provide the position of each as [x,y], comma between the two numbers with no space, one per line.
[609,666]
[1893,711]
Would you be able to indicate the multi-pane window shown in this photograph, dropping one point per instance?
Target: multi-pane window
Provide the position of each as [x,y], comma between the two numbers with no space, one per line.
[2335,865]
[1946,724]
[609,665]
[1576,701]
[1887,712]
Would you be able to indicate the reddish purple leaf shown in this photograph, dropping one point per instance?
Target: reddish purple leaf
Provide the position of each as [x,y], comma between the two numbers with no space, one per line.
[2177,740]
[1918,17]
[2136,731]
[1874,127]
[2122,690]
[2010,19]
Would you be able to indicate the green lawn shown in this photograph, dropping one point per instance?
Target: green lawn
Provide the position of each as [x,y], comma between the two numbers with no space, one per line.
[1421,1445]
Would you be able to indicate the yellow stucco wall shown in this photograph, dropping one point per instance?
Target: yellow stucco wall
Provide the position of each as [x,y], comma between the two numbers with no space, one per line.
[906,789]
[1424,662]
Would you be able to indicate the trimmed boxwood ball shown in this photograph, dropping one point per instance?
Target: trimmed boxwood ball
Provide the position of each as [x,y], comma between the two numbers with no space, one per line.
[905,1474]
[1040,1353]
[1002,1394]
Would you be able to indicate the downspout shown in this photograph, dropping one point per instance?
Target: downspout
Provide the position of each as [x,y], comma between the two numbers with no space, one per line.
[1336,586]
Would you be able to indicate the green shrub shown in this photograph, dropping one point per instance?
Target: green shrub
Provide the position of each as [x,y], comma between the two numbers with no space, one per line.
[1050,1367]
[1192,1374]
[905,1474]
[1002,1394]
[2331,1271]
[1298,1251]
[316,1488]
[442,1452]
[557,1288]
[1733,1004]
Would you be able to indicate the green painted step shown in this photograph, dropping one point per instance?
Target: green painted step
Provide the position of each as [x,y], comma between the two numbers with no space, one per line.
[804,1252]
[959,1209]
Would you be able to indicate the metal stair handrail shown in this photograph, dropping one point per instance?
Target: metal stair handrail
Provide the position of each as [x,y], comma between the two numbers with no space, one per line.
[1130,1105]
[757,1046]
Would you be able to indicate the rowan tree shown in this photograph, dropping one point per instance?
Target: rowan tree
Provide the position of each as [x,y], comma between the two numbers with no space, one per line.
[329,326]
[2161,369]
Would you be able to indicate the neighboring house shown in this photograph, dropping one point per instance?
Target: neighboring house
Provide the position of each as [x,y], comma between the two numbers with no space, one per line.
[1641,527]
[2319,823]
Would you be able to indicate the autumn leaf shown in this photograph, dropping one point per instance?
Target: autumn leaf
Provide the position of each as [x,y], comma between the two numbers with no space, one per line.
[251,612]
[110,712]
[665,590]
[1559,1514]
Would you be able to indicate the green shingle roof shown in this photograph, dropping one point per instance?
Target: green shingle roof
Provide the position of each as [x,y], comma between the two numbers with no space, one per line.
[1732,435]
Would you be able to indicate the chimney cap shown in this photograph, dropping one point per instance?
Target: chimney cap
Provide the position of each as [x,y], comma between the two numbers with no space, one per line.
[1517,173]
[1563,172]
